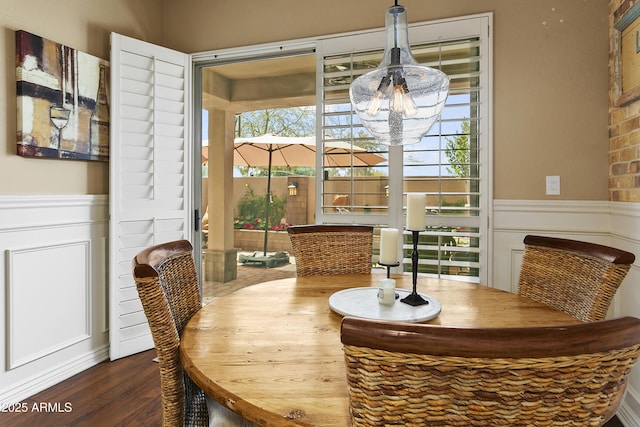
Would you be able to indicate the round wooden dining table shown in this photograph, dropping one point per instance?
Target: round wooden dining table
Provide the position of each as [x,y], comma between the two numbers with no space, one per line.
[272,351]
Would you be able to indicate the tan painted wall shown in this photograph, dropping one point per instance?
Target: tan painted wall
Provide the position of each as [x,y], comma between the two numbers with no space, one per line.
[550,73]
[83,25]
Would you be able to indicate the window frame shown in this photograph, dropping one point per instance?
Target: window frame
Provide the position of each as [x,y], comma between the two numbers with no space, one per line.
[479,26]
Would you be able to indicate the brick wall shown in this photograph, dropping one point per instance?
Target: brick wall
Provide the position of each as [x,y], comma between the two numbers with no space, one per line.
[624,121]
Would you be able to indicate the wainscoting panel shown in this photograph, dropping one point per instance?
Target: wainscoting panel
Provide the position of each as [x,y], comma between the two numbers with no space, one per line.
[514,219]
[53,310]
[608,223]
[625,234]
[516,265]
[33,294]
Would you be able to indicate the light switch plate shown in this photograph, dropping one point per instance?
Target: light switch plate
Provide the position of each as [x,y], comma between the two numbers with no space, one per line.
[553,185]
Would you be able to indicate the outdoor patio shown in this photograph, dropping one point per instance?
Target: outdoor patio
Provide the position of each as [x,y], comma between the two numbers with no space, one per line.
[247,276]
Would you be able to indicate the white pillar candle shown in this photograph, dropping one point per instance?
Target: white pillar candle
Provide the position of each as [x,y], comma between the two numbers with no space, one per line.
[389,239]
[416,217]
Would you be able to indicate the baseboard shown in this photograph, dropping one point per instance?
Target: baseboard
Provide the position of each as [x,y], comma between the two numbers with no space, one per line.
[45,379]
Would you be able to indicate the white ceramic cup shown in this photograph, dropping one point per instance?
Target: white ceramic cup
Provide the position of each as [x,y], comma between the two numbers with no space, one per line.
[387,291]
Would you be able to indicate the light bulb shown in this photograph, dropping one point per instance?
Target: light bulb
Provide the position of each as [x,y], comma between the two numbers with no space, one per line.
[399,101]
[375,104]
[396,99]
[410,108]
[378,96]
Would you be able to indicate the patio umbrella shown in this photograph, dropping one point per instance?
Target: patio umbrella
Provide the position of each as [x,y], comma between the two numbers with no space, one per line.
[272,150]
[298,151]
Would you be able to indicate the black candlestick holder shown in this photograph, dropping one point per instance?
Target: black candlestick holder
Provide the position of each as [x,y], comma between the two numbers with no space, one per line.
[389,271]
[388,267]
[414,298]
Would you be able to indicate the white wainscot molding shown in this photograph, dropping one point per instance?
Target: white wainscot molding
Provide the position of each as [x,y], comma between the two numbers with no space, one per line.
[41,319]
[54,317]
[609,223]
[514,219]
[625,234]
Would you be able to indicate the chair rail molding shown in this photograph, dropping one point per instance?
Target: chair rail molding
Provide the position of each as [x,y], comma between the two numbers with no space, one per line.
[551,216]
[54,308]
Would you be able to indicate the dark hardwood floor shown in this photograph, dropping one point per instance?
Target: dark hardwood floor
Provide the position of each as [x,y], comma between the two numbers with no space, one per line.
[121,393]
[125,392]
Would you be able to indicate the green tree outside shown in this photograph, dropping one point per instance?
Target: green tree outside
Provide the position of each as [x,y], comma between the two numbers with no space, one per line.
[457,151]
[287,122]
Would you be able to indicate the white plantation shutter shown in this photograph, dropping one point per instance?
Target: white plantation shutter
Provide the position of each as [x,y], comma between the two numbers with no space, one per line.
[455,243]
[150,176]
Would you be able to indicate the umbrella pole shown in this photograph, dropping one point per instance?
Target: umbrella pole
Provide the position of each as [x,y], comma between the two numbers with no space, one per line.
[266,219]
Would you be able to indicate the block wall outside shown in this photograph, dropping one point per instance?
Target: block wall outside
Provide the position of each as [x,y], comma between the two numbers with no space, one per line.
[253,240]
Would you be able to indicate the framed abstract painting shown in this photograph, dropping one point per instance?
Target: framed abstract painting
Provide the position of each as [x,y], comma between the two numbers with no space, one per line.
[62,100]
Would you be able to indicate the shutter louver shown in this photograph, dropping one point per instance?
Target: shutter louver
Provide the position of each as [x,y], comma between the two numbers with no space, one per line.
[451,176]
[149,173]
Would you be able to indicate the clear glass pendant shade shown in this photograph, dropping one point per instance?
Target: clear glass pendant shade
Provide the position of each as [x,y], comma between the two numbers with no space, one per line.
[399,101]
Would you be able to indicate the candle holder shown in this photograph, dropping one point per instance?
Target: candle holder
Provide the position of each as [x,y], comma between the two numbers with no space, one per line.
[414,297]
[389,271]
[388,267]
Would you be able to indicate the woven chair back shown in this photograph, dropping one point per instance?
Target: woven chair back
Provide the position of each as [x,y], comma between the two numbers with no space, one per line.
[167,284]
[579,278]
[425,375]
[323,249]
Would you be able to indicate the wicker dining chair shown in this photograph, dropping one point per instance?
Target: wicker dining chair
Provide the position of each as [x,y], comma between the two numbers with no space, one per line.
[167,284]
[414,375]
[322,249]
[579,278]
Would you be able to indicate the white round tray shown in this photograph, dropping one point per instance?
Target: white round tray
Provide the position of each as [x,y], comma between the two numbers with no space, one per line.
[363,302]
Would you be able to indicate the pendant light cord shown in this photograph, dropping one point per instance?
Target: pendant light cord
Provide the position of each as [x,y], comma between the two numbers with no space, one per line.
[395,26]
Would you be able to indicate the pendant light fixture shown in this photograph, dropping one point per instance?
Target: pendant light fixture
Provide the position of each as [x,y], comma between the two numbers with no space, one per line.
[399,101]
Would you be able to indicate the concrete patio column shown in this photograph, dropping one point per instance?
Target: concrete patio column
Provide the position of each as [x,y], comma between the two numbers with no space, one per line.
[220,256]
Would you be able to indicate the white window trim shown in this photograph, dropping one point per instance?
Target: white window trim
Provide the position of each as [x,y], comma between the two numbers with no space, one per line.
[448,29]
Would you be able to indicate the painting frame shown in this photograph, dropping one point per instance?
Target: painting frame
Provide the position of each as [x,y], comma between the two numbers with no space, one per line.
[626,54]
[62,101]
